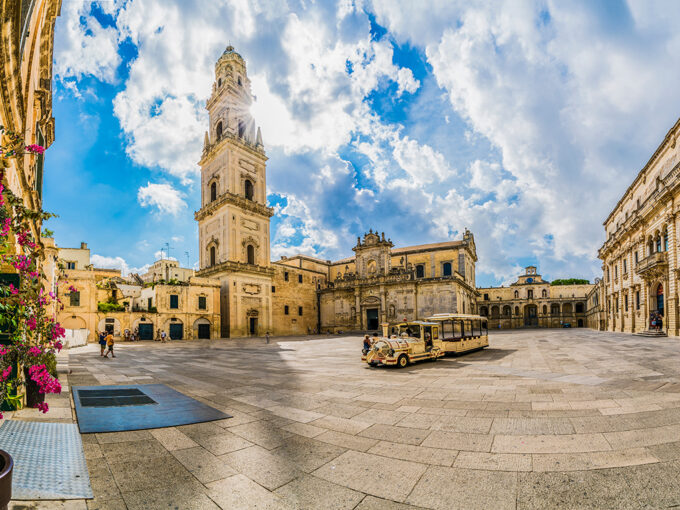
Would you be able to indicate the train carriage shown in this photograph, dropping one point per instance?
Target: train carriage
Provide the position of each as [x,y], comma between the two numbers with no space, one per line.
[461,333]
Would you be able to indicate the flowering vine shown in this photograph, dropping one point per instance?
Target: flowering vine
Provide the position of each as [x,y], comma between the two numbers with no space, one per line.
[33,336]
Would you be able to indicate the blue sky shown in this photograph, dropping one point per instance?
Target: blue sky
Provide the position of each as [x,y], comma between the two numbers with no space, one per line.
[524,121]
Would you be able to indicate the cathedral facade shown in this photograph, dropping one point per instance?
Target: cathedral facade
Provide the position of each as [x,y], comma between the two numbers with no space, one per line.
[302,294]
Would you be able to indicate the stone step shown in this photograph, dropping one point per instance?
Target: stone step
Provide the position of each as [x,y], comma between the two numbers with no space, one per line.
[652,333]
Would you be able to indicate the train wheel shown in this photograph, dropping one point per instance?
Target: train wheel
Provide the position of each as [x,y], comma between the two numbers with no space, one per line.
[402,361]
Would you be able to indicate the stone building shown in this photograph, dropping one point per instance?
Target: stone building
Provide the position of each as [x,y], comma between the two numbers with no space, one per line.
[640,254]
[26,49]
[233,222]
[532,301]
[383,284]
[104,300]
[166,270]
[595,314]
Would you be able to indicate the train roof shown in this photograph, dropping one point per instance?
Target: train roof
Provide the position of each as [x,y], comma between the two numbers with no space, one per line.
[417,323]
[441,316]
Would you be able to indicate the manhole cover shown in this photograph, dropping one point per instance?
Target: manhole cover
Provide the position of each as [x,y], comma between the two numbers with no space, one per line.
[114,398]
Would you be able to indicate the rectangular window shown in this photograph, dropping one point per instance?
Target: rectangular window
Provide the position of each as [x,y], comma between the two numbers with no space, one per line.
[202,303]
[285,310]
[149,303]
[285,276]
[637,300]
[625,302]
[273,289]
[299,310]
[636,258]
[174,301]
[616,272]
[74,299]
[299,278]
[486,297]
[70,265]
[625,267]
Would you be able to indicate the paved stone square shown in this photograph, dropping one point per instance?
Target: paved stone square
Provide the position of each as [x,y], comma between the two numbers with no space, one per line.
[541,419]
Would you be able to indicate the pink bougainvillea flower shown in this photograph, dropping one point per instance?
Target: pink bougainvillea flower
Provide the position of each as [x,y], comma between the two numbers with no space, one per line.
[5,373]
[6,227]
[35,149]
[52,294]
[32,323]
[35,351]
[43,407]
[71,288]
[13,289]
[3,350]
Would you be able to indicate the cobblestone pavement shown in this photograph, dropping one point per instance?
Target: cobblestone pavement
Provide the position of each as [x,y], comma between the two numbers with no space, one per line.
[541,419]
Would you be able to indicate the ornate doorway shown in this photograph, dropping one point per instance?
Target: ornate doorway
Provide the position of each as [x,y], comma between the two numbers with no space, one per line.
[659,299]
[372,321]
[530,315]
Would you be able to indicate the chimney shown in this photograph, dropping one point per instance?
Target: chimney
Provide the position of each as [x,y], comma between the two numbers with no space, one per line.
[83,246]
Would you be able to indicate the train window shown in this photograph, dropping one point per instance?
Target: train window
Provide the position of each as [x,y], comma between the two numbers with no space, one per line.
[435,333]
[447,329]
[457,329]
[477,328]
[411,330]
[485,328]
[467,329]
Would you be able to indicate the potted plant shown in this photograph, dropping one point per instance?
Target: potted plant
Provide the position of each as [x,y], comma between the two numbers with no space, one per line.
[29,333]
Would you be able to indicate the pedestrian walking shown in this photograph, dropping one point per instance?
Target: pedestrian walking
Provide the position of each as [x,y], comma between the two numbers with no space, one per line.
[135,335]
[158,335]
[659,322]
[109,344]
[266,337]
[163,335]
[102,342]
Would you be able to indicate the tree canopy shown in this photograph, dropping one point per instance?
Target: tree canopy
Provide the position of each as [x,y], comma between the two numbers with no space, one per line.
[570,281]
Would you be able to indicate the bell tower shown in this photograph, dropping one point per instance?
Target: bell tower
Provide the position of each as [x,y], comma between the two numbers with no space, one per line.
[233,222]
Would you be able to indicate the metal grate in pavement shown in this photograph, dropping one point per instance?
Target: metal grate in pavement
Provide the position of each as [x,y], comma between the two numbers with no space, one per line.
[98,412]
[49,462]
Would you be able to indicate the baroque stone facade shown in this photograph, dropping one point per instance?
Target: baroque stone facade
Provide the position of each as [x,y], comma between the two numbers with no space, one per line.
[640,254]
[26,48]
[384,284]
[534,302]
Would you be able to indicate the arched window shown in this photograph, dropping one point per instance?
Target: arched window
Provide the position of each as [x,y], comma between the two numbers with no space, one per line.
[213,192]
[248,189]
[251,254]
[420,271]
[544,293]
[219,82]
[241,128]
[506,311]
[516,294]
[579,306]
[446,269]
[658,243]
[545,309]
[483,311]
[213,256]
[218,130]
[517,310]
[665,240]
[495,311]
[530,294]
[239,81]
[554,309]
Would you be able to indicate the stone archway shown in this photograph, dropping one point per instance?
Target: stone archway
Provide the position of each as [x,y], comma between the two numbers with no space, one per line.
[531,315]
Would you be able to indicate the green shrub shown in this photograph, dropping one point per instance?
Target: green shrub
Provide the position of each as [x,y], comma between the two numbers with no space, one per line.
[110,307]
[570,281]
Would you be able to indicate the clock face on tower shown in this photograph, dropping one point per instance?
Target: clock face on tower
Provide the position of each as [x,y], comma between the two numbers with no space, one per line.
[529,280]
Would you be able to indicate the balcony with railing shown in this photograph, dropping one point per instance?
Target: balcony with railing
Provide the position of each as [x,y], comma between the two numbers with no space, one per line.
[653,264]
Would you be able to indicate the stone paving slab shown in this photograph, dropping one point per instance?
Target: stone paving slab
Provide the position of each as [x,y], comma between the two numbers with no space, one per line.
[541,419]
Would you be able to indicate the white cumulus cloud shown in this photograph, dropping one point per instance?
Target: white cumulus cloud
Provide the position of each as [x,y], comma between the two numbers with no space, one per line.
[161,196]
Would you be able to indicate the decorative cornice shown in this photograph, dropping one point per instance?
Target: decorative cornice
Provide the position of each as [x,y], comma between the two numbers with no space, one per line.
[229,137]
[235,267]
[236,200]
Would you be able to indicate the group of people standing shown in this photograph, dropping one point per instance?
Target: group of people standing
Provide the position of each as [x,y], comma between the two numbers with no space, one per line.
[656,321]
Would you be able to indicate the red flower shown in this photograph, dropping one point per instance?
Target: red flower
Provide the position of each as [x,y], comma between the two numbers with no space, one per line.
[35,149]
